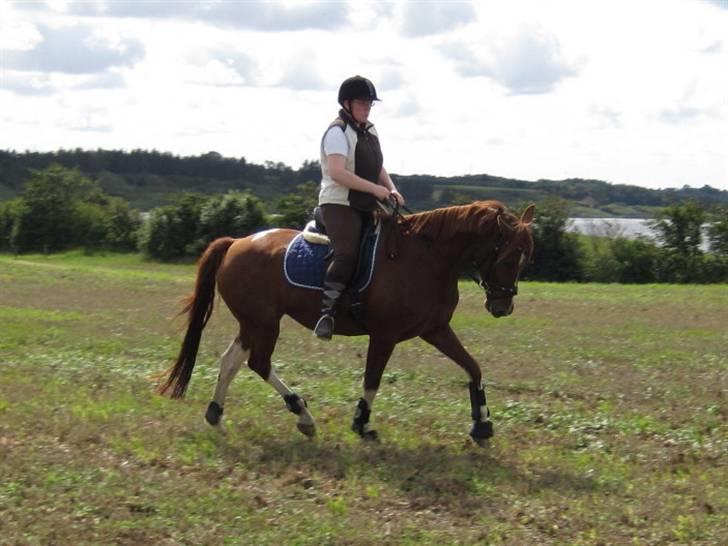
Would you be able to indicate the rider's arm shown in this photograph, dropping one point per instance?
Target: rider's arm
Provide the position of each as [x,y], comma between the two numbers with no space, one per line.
[386,181]
[336,167]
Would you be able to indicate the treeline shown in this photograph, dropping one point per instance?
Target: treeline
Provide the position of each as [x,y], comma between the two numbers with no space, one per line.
[675,257]
[59,209]
[147,179]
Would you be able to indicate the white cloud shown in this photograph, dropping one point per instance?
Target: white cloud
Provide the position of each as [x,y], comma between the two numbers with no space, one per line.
[252,14]
[715,47]
[524,89]
[301,73]
[26,85]
[224,67]
[610,116]
[528,62]
[425,18]
[408,107]
[391,79]
[684,114]
[73,49]
[105,80]
[18,35]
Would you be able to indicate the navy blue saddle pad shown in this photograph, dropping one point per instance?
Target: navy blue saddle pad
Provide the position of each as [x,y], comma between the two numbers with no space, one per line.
[304,264]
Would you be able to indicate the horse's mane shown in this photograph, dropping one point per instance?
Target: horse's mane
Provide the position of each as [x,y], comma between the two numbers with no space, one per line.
[445,223]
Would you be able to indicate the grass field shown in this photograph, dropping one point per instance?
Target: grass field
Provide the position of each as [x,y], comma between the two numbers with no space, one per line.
[609,404]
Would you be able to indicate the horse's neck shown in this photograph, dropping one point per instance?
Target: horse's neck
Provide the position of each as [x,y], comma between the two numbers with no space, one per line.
[453,248]
[451,253]
[453,235]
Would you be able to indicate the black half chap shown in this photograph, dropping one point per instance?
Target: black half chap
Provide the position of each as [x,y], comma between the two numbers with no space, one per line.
[344,226]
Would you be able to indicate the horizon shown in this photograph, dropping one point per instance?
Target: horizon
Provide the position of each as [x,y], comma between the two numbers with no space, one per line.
[629,94]
[153,150]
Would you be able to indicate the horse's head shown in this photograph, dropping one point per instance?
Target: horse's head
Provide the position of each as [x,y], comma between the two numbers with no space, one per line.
[501,267]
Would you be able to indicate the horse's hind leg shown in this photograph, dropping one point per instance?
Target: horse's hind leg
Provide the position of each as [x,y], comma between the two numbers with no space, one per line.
[230,362]
[263,342]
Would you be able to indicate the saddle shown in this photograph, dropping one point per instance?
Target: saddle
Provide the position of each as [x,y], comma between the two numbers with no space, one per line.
[308,254]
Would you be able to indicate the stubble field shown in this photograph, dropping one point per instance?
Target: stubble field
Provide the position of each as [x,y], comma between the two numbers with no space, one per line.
[609,404]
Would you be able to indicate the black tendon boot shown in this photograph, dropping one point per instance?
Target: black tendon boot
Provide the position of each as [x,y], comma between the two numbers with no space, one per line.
[325,326]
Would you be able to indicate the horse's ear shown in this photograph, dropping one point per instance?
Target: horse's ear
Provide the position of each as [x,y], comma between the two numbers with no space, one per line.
[527,216]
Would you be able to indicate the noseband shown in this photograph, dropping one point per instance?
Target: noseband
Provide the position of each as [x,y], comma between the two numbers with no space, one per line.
[493,291]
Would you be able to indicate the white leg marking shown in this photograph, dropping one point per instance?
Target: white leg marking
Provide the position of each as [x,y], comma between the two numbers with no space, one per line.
[305,417]
[484,411]
[230,362]
[369,397]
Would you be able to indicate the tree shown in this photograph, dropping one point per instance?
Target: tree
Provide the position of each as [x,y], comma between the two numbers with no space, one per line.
[187,227]
[9,211]
[171,231]
[295,208]
[557,253]
[233,214]
[48,219]
[637,260]
[718,230]
[678,228]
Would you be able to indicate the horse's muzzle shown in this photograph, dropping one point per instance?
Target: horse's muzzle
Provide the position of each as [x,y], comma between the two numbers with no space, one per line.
[500,307]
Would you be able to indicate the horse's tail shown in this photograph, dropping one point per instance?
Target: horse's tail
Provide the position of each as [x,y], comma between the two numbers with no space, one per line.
[198,308]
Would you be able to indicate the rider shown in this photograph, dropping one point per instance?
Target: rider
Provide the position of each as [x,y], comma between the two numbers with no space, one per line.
[352,179]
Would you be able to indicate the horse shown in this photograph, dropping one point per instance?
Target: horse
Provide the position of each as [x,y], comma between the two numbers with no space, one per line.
[414,292]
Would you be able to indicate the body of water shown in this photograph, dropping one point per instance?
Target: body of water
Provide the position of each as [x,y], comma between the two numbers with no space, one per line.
[629,228]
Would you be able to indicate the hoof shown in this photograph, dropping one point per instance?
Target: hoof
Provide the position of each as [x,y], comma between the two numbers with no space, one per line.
[306,429]
[213,414]
[481,432]
[482,442]
[370,436]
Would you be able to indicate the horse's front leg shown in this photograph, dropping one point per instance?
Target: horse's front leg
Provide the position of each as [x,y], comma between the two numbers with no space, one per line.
[380,349]
[447,342]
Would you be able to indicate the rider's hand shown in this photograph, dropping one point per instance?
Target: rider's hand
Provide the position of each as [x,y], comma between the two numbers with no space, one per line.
[380,192]
[398,197]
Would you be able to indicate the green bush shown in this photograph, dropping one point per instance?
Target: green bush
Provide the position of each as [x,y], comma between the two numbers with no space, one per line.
[636,260]
[9,211]
[295,208]
[122,226]
[557,256]
[60,209]
[165,236]
[718,230]
[233,214]
[187,227]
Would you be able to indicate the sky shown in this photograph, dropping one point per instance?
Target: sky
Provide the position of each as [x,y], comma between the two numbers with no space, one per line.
[621,91]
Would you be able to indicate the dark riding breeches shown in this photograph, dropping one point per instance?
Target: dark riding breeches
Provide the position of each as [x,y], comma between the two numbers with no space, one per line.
[344,226]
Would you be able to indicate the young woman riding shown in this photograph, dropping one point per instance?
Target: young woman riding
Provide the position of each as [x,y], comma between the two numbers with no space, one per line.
[353,177]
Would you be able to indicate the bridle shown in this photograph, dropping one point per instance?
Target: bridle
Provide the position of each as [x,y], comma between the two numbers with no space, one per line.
[495,291]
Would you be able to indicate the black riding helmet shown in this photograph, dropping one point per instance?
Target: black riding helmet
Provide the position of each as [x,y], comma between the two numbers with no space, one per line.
[357,87]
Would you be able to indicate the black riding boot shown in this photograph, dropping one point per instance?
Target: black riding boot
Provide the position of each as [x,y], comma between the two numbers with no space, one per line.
[325,326]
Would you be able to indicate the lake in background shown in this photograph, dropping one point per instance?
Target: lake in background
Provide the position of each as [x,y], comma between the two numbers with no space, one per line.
[629,228]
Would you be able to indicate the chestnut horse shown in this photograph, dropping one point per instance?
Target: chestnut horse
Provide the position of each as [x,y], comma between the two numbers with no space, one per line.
[414,292]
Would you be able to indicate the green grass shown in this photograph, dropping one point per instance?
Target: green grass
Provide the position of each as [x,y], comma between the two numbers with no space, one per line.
[608,403]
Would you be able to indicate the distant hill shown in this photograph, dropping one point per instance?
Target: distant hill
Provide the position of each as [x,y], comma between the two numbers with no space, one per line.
[150,178]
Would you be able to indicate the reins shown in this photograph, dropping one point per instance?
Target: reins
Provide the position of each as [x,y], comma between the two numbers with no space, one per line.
[490,287]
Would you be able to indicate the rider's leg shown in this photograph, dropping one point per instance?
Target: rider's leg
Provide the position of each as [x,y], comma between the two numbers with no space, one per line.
[344,226]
